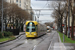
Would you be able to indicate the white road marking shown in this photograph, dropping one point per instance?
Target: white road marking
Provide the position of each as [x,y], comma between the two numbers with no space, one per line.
[26,41]
[34,47]
[49,46]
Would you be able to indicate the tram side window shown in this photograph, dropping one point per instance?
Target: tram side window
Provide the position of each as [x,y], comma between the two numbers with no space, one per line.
[36,28]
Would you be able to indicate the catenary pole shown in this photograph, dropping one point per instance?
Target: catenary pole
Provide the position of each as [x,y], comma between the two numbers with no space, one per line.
[68,18]
[2,17]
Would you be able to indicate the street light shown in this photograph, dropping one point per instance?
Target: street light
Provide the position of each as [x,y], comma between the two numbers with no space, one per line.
[2,17]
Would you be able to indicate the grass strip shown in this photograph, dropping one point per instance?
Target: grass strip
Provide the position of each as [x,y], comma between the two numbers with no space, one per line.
[6,39]
[67,40]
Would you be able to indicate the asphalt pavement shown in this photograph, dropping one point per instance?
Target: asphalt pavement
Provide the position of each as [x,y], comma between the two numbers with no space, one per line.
[49,41]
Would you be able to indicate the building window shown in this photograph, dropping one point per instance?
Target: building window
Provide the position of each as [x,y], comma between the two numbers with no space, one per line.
[19,5]
[74,4]
[20,1]
[11,1]
[16,1]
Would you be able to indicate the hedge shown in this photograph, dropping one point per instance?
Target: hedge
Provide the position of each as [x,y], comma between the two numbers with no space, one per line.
[6,34]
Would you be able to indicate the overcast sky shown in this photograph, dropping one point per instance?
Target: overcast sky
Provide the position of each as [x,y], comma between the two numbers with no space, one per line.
[42,5]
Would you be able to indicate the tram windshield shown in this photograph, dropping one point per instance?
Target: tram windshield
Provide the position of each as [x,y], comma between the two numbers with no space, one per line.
[30,27]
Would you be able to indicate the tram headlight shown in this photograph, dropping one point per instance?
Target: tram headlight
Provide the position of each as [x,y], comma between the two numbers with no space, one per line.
[34,33]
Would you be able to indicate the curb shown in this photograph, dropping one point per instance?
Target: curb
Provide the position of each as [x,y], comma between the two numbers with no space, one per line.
[12,40]
[61,44]
[59,38]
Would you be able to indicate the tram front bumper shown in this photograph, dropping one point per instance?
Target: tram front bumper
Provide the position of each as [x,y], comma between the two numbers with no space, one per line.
[33,34]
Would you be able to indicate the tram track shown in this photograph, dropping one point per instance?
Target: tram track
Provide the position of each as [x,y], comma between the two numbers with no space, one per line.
[12,42]
[34,48]
[50,42]
[16,46]
[29,39]
[30,42]
[50,46]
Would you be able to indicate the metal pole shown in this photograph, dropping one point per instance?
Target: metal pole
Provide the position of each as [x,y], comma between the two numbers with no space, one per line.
[69,19]
[2,17]
[63,27]
[63,34]
[34,18]
[38,15]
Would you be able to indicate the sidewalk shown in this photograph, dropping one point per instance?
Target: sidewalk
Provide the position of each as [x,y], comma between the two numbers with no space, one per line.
[64,46]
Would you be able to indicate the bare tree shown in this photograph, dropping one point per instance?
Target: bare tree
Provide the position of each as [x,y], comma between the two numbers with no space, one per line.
[16,15]
[73,20]
[59,10]
[4,11]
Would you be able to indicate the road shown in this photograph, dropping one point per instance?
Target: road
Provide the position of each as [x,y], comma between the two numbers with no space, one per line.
[44,42]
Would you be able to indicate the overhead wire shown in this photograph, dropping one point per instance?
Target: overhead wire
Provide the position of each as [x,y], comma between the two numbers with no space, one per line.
[45,4]
[32,4]
[41,9]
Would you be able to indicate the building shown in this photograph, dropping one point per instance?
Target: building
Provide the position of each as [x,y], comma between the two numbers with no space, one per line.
[72,16]
[24,4]
[72,7]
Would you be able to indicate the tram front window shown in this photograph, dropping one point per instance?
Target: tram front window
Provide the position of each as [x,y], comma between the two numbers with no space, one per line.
[30,27]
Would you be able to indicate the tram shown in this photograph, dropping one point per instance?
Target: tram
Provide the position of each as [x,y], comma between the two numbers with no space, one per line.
[35,29]
[48,29]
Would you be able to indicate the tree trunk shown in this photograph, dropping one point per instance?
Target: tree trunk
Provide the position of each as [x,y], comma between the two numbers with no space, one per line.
[61,25]
[72,36]
[13,22]
[5,24]
[66,25]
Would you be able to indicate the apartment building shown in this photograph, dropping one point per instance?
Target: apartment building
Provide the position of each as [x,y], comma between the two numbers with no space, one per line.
[72,16]
[24,4]
[72,7]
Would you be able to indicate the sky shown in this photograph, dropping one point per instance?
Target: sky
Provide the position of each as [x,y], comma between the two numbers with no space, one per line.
[46,14]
